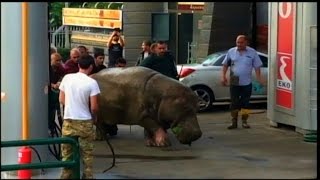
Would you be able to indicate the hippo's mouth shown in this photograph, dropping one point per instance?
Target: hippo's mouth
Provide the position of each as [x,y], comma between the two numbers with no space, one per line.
[176,130]
[185,136]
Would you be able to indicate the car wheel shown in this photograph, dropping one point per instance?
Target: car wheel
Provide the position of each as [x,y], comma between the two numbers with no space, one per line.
[205,98]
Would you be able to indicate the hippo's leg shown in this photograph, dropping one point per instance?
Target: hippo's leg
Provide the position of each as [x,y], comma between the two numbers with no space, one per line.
[157,138]
[155,135]
[101,132]
[112,129]
[148,136]
[161,138]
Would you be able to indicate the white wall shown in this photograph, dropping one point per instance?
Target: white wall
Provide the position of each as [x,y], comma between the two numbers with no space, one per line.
[11,64]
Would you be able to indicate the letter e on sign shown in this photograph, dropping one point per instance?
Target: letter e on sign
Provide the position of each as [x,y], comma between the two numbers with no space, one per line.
[285,54]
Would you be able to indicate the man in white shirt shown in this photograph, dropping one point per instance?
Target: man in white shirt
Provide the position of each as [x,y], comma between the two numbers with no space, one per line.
[79,94]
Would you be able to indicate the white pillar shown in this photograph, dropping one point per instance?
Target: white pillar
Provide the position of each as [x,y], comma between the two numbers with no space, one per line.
[11,65]
[11,118]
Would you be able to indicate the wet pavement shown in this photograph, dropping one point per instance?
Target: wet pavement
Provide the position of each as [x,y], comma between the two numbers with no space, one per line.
[262,152]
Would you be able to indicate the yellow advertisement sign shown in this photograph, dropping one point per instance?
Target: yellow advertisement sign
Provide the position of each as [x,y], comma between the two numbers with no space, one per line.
[92,22]
[93,13]
[99,18]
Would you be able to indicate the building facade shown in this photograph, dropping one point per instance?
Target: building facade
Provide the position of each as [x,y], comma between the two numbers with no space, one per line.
[192,33]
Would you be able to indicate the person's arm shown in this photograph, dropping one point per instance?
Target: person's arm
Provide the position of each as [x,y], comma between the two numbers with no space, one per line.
[94,108]
[61,93]
[94,101]
[224,80]
[225,66]
[258,74]
[257,63]
[62,97]
[110,39]
[55,86]
[121,41]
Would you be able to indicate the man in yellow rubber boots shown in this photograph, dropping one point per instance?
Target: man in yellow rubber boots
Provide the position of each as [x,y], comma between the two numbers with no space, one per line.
[241,59]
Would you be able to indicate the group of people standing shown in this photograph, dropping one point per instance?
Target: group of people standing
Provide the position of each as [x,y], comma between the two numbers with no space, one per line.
[72,86]
[78,93]
[157,57]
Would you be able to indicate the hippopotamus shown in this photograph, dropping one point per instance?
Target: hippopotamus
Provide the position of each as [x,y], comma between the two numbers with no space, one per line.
[141,96]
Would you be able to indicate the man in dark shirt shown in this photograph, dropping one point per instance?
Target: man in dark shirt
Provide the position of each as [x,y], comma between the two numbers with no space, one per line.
[56,70]
[162,61]
[115,48]
[56,74]
[71,66]
[83,50]
[98,62]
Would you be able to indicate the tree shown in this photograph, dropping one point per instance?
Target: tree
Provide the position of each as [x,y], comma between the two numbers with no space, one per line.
[55,13]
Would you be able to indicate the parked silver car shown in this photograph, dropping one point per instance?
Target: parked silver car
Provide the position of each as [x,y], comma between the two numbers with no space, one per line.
[204,80]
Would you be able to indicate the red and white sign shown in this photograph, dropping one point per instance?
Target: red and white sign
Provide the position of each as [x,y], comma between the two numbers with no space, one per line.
[193,6]
[285,52]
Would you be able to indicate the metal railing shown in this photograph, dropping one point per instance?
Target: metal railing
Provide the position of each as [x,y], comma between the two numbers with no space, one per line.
[74,163]
[58,35]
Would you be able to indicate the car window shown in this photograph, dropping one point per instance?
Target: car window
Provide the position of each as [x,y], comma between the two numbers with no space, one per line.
[211,59]
[264,61]
[219,61]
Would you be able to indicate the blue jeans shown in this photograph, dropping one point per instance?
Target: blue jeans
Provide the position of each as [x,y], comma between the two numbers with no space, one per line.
[240,96]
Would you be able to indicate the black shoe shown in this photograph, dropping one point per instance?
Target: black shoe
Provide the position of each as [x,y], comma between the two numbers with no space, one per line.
[233,126]
[245,125]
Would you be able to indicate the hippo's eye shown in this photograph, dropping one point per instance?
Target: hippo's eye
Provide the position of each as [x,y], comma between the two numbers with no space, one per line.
[176,130]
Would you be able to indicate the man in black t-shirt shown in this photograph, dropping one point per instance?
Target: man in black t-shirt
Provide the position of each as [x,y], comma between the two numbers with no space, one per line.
[162,61]
[98,62]
[115,48]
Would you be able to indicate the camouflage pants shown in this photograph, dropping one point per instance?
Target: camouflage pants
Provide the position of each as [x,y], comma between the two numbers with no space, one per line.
[83,130]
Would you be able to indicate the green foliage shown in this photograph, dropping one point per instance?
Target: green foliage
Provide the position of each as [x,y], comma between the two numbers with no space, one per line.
[55,13]
[65,53]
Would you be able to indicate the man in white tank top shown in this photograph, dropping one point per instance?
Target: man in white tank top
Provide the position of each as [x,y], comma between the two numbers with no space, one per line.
[79,94]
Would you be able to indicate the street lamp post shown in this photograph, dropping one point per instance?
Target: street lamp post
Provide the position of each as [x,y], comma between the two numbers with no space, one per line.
[66,30]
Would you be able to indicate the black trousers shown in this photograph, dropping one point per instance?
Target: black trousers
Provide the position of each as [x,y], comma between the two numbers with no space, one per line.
[240,96]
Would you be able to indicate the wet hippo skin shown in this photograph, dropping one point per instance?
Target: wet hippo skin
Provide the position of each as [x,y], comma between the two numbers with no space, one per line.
[141,96]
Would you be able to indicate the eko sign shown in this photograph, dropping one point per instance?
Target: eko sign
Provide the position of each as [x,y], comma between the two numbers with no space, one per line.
[285,52]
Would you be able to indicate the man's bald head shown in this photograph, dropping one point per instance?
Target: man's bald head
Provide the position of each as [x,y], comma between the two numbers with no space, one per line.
[241,36]
[74,54]
[241,42]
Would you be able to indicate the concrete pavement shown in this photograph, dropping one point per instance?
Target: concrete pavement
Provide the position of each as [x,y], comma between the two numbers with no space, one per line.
[259,152]
[262,152]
